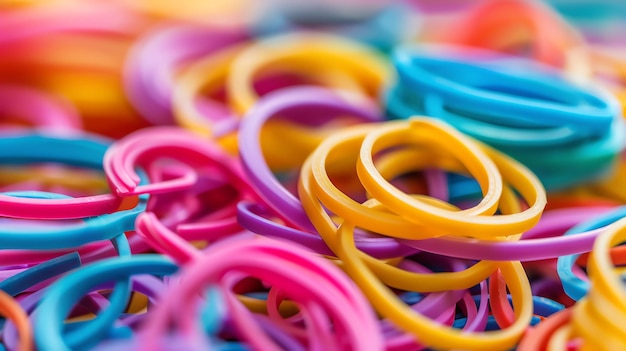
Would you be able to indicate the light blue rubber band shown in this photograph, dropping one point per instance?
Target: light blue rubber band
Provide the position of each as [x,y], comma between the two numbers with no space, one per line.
[516,97]
[91,229]
[18,283]
[573,286]
[61,296]
[42,148]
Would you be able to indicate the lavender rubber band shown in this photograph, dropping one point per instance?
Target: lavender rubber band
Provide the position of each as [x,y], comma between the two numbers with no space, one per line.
[526,249]
[250,217]
[258,172]
[150,82]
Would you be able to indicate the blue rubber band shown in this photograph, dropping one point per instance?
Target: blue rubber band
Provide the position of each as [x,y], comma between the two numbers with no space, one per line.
[104,227]
[82,150]
[61,296]
[573,286]
[516,97]
[18,283]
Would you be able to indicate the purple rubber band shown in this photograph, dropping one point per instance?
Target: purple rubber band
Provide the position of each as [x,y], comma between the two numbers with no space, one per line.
[252,217]
[257,170]
[150,81]
[527,248]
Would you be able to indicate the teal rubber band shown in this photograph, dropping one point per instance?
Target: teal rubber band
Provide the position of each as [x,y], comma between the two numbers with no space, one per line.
[61,296]
[104,227]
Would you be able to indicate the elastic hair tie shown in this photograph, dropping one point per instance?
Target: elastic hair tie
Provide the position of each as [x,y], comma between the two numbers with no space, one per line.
[79,151]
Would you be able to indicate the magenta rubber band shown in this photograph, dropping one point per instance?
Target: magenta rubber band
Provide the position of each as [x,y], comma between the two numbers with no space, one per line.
[17,26]
[147,145]
[39,109]
[277,263]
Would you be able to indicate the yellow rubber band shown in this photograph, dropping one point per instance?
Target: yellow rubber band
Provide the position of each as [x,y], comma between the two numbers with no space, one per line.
[388,274]
[313,53]
[426,331]
[419,131]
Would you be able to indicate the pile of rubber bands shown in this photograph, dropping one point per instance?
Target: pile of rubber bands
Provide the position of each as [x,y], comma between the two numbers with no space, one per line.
[312,175]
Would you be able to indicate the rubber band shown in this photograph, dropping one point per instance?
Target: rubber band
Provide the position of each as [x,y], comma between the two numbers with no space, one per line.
[304,50]
[39,273]
[91,229]
[259,173]
[605,295]
[12,310]
[537,338]
[38,109]
[532,245]
[425,331]
[518,106]
[336,288]
[453,222]
[573,286]
[57,302]
[150,83]
[208,76]
[389,275]
[512,131]
[25,149]
[148,145]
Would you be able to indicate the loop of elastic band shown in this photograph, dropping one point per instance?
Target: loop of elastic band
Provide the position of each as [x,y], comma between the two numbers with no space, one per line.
[467,222]
[61,296]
